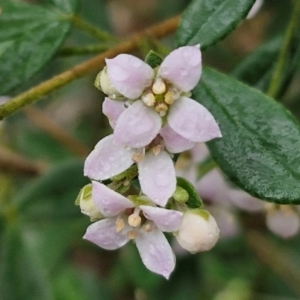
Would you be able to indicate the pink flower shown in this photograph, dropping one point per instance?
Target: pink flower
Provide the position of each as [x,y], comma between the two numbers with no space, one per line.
[158,93]
[126,220]
[156,172]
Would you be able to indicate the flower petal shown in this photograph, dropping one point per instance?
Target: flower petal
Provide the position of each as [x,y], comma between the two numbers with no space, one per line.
[174,142]
[108,201]
[157,177]
[103,233]
[129,75]
[165,219]
[107,160]
[155,251]
[182,67]
[137,126]
[245,201]
[193,121]
[112,109]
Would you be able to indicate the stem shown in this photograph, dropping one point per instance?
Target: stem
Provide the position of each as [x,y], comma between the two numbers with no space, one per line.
[206,166]
[15,163]
[94,64]
[90,49]
[91,30]
[276,259]
[42,121]
[276,82]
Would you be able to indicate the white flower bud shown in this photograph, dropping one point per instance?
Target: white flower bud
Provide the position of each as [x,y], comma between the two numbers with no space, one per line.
[87,204]
[103,83]
[198,232]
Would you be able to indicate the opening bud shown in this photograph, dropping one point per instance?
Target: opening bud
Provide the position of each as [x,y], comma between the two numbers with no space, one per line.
[87,204]
[198,232]
[103,83]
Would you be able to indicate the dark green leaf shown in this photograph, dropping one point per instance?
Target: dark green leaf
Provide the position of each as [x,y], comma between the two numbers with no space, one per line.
[153,59]
[53,195]
[208,21]
[259,150]
[259,62]
[194,198]
[20,275]
[30,35]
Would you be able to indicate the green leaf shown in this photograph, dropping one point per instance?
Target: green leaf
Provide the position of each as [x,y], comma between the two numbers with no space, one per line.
[20,275]
[259,150]
[53,195]
[153,59]
[208,21]
[194,198]
[30,35]
[259,63]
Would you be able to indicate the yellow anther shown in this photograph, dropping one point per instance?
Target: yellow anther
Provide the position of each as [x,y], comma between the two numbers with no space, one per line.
[134,220]
[161,107]
[147,227]
[132,234]
[157,149]
[169,97]
[138,157]
[159,87]
[149,99]
[120,225]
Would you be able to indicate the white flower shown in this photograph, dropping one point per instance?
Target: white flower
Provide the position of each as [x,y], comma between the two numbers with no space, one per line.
[127,220]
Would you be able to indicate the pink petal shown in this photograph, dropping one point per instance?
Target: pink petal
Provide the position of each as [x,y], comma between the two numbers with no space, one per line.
[174,142]
[103,233]
[165,219]
[155,251]
[284,224]
[112,109]
[107,160]
[137,126]
[108,201]
[193,121]
[157,177]
[129,75]
[245,201]
[182,67]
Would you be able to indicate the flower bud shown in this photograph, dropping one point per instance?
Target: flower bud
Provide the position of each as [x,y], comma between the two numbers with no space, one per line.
[87,204]
[103,83]
[283,222]
[198,232]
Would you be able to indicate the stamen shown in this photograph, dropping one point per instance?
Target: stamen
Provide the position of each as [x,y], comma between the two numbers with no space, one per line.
[149,99]
[159,87]
[147,226]
[119,224]
[132,234]
[169,97]
[157,149]
[138,157]
[161,107]
[134,220]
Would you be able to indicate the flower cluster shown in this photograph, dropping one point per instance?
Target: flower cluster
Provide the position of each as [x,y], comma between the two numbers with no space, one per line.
[225,200]
[153,118]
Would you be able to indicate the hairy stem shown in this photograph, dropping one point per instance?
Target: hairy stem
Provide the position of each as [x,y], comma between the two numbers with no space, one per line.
[280,261]
[91,30]
[85,50]
[34,94]
[276,80]
[44,122]
[15,163]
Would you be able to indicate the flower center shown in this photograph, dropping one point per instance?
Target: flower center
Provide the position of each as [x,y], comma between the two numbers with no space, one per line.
[160,96]
[136,220]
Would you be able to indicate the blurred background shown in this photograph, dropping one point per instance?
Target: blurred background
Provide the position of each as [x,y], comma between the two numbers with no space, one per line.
[42,150]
